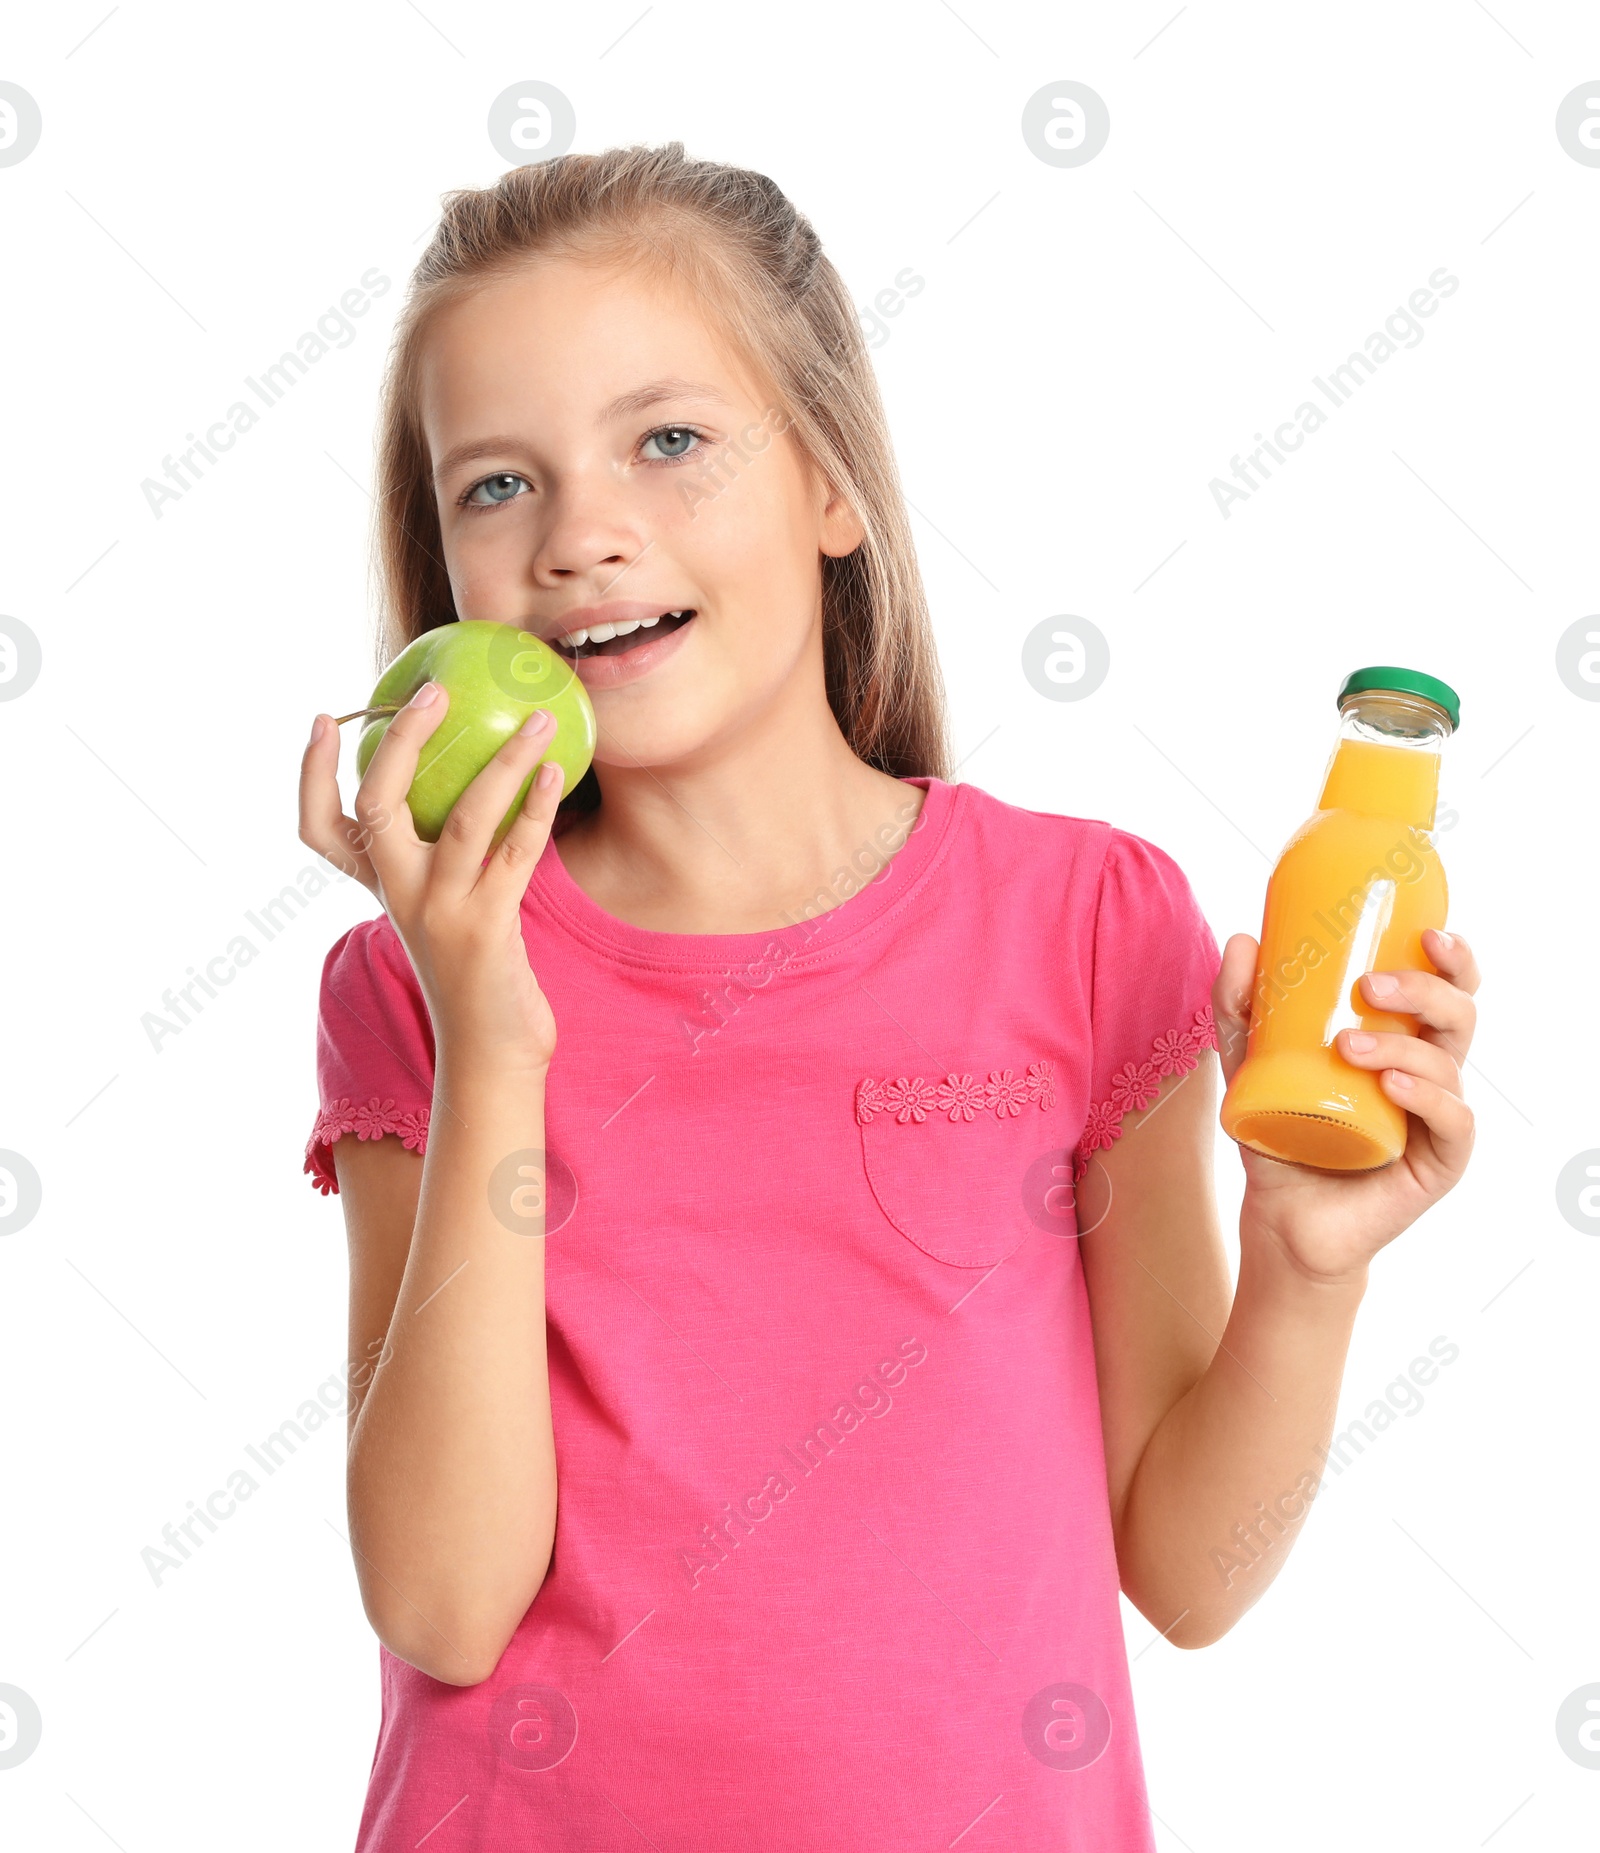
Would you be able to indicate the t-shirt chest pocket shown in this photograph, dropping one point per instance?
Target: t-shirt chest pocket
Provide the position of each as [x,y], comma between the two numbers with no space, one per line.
[949,1159]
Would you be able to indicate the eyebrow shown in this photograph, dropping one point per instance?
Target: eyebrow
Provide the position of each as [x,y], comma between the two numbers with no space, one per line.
[625,404]
[653,394]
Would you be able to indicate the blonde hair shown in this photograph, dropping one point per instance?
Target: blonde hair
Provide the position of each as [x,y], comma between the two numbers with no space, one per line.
[736,238]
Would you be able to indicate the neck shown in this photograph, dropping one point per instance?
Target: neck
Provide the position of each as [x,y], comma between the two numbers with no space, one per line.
[746,836]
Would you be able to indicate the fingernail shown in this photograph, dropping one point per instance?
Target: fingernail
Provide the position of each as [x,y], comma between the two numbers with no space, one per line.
[1382,983]
[549,775]
[1361,1041]
[536,722]
[426,695]
[316,728]
[1446,940]
[1400,1080]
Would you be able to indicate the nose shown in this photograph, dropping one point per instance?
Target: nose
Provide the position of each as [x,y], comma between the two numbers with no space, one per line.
[586,533]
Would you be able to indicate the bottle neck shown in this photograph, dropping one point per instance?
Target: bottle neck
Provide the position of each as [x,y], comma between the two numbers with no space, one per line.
[1386,759]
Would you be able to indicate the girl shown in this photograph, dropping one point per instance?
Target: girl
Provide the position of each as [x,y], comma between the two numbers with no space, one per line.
[787,1296]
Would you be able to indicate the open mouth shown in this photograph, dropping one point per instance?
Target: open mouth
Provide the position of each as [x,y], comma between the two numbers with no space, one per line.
[618,639]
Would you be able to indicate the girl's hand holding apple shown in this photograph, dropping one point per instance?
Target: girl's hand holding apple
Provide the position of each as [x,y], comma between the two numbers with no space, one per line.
[456,904]
[495,675]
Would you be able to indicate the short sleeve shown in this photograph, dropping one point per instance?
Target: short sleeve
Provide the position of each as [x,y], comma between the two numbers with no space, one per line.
[375,1049]
[1155,960]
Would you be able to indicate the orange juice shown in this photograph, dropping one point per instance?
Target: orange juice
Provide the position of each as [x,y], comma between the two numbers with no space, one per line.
[1351,893]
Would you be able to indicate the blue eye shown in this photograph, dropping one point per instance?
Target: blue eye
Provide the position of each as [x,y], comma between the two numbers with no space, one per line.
[495,489]
[672,441]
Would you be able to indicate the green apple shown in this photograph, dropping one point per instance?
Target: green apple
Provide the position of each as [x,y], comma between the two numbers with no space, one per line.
[495,676]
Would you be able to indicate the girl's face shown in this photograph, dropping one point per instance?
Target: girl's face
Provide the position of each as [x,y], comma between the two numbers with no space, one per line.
[602,459]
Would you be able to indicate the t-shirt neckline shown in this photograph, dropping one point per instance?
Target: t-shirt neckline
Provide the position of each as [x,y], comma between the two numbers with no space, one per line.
[808,940]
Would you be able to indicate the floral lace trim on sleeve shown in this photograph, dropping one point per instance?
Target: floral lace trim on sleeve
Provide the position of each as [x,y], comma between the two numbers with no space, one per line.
[1176,1051]
[369,1121]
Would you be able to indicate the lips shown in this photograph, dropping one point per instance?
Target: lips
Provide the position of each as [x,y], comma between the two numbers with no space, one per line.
[615,629]
[634,641]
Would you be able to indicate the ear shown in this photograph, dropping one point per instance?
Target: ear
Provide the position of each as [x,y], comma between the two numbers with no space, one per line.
[842,528]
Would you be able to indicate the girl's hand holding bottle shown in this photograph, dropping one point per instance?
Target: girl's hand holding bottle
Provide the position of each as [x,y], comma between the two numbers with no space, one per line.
[1329,1224]
[1349,1125]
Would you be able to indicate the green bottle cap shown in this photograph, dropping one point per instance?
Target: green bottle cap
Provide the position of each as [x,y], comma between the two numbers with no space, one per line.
[1407,682]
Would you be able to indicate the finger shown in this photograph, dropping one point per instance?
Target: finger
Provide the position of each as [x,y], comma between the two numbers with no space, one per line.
[391,840]
[475,816]
[323,824]
[509,869]
[1373,1049]
[1453,957]
[1447,1116]
[1448,1014]
[1231,1000]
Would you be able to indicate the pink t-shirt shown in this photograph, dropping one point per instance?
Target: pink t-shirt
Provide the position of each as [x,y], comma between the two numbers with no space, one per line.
[833,1561]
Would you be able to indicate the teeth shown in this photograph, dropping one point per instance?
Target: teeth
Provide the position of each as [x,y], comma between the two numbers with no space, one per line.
[599,633]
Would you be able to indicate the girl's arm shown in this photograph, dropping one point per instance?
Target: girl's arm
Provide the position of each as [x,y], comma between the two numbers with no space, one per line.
[1215,1415]
[452,1473]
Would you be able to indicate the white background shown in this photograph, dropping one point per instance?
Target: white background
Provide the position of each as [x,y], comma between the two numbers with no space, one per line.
[1088,352]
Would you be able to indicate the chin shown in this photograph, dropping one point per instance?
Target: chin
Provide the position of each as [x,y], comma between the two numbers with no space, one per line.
[663,742]
[648,738]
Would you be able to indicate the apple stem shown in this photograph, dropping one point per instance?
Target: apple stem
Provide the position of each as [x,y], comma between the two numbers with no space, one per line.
[363,713]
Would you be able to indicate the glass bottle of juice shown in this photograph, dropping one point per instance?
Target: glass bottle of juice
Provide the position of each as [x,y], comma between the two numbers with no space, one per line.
[1354,888]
